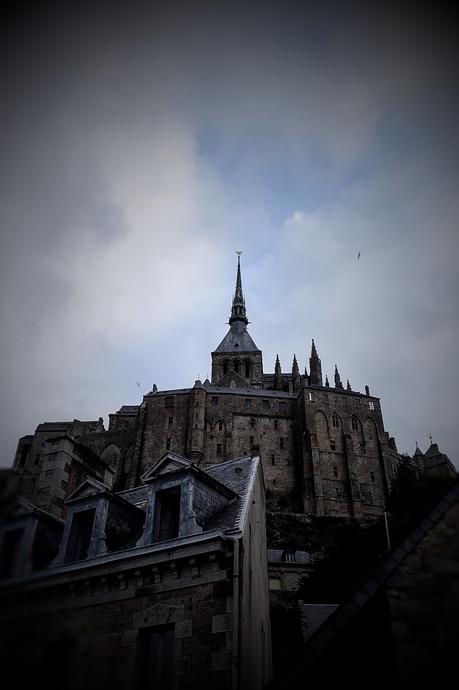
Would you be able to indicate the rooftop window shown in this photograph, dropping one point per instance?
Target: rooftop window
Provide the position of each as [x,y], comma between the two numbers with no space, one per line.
[167,514]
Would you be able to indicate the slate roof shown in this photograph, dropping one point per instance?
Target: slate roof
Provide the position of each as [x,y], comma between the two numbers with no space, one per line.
[128,410]
[238,339]
[235,474]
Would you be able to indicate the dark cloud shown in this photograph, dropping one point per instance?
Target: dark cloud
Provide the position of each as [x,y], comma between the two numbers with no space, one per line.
[140,144]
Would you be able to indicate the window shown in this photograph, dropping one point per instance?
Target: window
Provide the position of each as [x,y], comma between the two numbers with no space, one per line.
[282,407]
[171,422]
[288,556]
[155,654]
[335,471]
[275,425]
[220,426]
[247,370]
[371,405]
[273,459]
[252,422]
[274,482]
[225,367]
[248,404]
[332,444]
[169,402]
[167,514]
[311,396]
[168,444]
[214,401]
[80,535]
[281,443]
[265,404]
[251,441]
[355,424]
[37,459]
[219,449]
[275,584]
[372,476]
[335,420]
[236,366]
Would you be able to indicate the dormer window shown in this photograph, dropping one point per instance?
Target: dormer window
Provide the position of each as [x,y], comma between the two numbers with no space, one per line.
[80,536]
[167,514]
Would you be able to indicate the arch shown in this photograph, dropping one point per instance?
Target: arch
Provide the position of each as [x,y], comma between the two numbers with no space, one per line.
[111,455]
[336,421]
[356,424]
[371,430]
[236,365]
[220,426]
[321,421]
[247,368]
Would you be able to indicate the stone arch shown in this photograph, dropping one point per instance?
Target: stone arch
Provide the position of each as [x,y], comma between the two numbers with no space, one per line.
[321,428]
[336,421]
[111,455]
[220,426]
[371,431]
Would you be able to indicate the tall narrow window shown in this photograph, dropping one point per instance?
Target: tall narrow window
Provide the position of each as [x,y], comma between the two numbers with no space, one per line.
[335,471]
[167,520]
[275,425]
[248,404]
[236,366]
[371,405]
[155,654]
[332,444]
[281,443]
[265,404]
[219,449]
[225,366]
[247,370]
[355,424]
[220,426]
[80,535]
[335,420]
[372,476]
[282,407]
[168,444]
[171,422]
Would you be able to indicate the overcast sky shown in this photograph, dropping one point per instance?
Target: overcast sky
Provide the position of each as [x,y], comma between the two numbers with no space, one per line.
[139,147]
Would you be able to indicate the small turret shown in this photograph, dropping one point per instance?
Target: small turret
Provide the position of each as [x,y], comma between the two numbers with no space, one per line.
[338,383]
[348,386]
[327,382]
[315,367]
[296,378]
[277,375]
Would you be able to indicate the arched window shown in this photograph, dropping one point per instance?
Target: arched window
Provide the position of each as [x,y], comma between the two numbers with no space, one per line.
[247,369]
[236,366]
[355,424]
[225,366]
[220,426]
[335,420]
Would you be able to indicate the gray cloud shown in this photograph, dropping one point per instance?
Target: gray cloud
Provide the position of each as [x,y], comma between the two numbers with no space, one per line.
[141,145]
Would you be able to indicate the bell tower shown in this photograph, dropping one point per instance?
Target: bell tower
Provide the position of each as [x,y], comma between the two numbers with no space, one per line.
[237,362]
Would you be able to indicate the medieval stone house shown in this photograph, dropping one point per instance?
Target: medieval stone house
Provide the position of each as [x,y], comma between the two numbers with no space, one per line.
[163,585]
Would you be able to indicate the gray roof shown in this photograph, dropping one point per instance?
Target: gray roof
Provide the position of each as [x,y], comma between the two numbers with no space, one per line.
[128,409]
[238,339]
[234,474]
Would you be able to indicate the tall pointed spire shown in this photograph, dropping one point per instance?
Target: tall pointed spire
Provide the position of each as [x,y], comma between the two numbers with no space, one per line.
[338,383]
[315,367]
[238,312]
[277,375]
[296,378]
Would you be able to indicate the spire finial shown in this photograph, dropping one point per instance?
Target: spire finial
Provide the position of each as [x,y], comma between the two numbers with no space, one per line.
[238,312]
[430,436]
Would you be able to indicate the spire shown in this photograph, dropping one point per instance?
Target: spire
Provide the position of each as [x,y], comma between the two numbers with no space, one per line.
[327,383]
[296,378]
[338,383]
[238,312]
[277,375]
[315,367]
[348,386]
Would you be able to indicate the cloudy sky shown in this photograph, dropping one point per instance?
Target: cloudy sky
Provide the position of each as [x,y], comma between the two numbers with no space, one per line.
[140,146]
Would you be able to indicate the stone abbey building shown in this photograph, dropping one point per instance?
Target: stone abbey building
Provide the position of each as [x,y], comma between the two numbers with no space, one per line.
[324,448]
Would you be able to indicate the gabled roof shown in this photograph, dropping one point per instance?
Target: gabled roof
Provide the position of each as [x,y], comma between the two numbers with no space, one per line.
[89,487]
[169,462]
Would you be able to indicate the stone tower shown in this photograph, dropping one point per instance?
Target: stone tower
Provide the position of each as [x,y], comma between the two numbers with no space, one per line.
[237,362]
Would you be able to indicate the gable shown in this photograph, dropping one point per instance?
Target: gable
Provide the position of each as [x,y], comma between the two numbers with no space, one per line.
[89,487]
[169,462]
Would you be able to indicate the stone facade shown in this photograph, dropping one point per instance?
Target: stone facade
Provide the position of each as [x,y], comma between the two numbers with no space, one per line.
[117,605]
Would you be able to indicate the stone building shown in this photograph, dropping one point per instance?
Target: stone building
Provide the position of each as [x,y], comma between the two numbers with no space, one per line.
[324,447]
[163,585]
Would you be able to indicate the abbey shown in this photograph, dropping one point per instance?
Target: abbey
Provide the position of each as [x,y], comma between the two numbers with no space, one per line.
[324,447]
